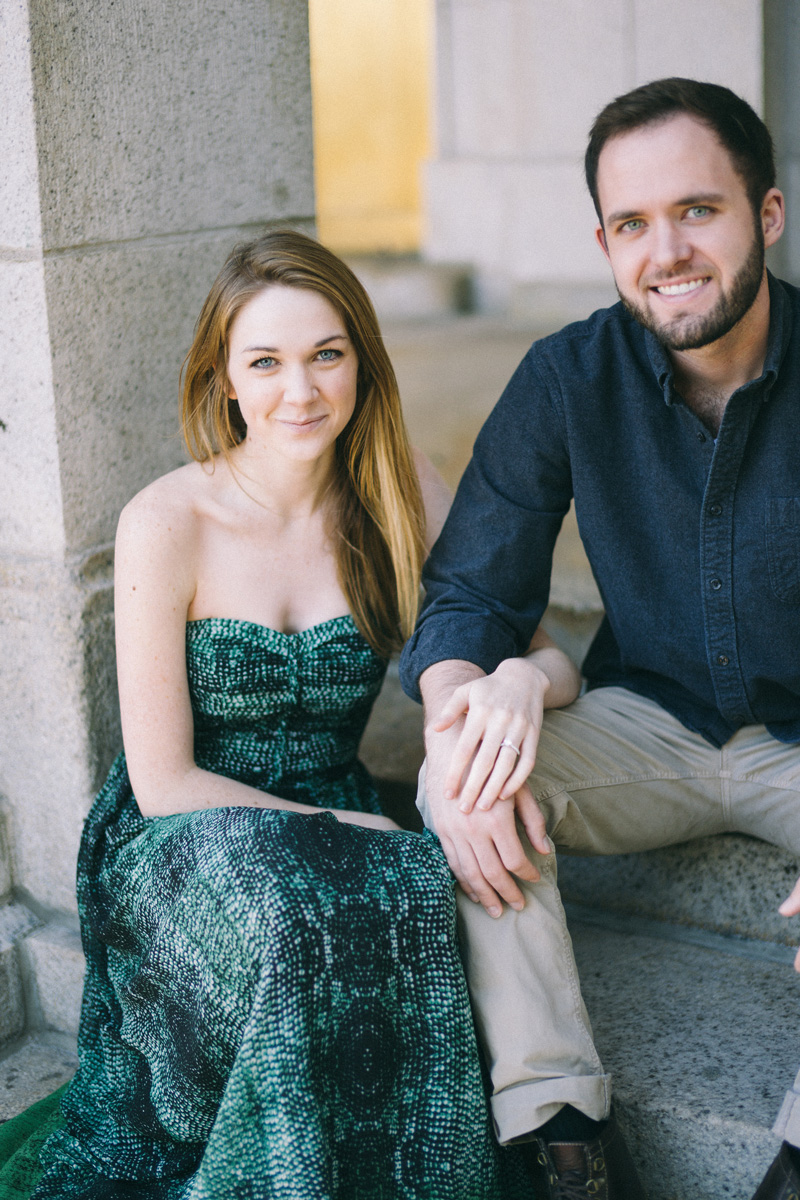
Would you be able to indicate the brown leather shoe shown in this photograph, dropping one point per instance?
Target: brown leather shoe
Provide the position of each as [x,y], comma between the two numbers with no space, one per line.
[598,1170]
[782,1180]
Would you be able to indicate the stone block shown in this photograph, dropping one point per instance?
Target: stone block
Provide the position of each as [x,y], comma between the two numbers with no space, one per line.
[20,225]
[509,61]
[15,922]
[46,773]
[730,883]
[167,118]
[54,967]
[674,39]
[12,1005]
[34,1070]
[6,877]
[701,1045]
[29,487]
[505,227]
[401,287]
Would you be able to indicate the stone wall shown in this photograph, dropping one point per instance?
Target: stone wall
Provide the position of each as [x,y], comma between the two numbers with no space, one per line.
[139,141]
[519,83]
[782,104]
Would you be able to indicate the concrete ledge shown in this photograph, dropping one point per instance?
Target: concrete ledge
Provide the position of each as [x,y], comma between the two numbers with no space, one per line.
[404,288]
[53,967]
[730,883]
[34,1069]
[16,922]
[701,1046]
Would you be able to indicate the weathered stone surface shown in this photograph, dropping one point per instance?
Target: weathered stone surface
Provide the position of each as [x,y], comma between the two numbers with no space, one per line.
[702,1047]
[46,773]
[729,883]
[54,966]
[12,1007]
[163,119]
[20,221]
[30,498]
[5,857]
[16,922]
[34,1070]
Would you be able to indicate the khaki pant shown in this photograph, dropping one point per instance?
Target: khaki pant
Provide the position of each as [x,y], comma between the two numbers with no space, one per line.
[615,773]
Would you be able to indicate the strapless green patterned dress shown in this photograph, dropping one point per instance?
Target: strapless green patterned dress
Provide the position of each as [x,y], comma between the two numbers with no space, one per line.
[274,1004]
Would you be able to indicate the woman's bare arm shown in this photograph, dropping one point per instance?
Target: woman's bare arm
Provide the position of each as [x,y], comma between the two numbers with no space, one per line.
[154,584]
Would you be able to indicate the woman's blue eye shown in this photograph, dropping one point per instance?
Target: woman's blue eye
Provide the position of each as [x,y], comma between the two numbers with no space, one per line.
[264,362]
[330,355]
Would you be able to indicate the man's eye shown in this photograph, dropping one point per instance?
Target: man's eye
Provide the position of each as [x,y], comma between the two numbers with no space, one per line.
[698,210]
[631,226]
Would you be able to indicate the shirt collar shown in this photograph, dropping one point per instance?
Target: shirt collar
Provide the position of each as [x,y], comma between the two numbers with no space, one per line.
[780,332]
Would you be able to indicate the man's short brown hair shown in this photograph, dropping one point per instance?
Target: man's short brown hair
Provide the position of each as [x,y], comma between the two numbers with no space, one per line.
[740,130]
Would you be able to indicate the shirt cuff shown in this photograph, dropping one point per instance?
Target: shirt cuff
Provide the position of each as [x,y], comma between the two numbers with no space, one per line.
[471,638]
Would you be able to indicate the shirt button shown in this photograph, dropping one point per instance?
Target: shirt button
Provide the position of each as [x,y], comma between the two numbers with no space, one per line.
[716,585]
[723,660]
[715,509]
[701,437]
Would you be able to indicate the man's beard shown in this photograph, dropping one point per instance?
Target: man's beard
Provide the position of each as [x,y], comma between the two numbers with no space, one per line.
[690,333]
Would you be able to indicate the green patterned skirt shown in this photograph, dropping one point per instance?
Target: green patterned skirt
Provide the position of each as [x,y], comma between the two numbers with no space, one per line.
[273,1008]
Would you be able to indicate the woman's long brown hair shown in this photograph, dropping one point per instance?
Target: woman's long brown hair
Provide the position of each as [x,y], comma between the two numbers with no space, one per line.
[380,522]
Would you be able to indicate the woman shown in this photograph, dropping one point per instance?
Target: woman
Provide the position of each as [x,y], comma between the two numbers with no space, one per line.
[274,1004]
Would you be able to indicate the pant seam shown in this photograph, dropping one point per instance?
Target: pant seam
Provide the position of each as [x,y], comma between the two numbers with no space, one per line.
[599,781]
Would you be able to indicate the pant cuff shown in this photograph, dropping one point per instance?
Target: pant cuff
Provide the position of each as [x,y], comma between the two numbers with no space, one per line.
[521,1109]
[787,1126]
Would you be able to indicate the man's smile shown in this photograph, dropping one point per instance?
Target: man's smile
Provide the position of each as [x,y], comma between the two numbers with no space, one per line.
[680,289]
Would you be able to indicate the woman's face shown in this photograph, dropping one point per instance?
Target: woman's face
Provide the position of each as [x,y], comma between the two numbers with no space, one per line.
[293,370]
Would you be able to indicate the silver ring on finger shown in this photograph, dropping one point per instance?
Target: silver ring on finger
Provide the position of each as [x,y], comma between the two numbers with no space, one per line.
[511,746]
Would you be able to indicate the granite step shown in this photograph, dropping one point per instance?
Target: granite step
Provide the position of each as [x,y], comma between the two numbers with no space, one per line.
[699,1032]
[694,1027]
[33,1068]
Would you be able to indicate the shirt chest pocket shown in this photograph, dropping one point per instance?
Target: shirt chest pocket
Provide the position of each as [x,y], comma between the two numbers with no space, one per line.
[783,547]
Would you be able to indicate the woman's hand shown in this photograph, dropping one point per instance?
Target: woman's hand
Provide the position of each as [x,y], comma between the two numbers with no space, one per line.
[503,714]
[368,820]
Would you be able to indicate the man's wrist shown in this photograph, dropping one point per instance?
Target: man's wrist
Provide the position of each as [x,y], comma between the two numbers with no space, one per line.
[438,682]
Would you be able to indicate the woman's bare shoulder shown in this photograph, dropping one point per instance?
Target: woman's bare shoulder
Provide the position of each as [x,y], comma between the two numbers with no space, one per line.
[436,496]
[173,503]
[162,524]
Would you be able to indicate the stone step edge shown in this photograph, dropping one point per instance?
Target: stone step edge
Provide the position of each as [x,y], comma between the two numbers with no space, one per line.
[53,966]
[693,935]
[16,923]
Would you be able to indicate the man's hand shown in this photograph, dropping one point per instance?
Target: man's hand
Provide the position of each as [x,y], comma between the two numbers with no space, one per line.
[503,714]
[482,847]
[790,908]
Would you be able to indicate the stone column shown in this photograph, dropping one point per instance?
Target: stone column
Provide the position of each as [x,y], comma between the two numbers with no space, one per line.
[782,70]
[518,84]
[139,141]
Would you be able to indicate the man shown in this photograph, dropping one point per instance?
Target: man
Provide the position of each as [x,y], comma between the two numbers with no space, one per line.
[673,420]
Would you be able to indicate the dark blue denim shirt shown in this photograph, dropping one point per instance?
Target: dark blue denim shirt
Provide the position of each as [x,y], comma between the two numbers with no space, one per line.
[695,545]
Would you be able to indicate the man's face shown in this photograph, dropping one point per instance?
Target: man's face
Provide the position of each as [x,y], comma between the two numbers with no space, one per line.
[679,231]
